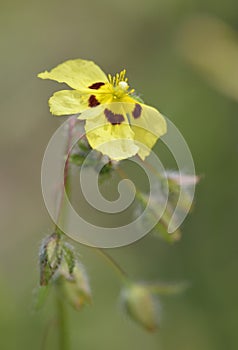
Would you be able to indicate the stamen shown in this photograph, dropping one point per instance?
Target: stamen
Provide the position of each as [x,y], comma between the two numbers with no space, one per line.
[119,78]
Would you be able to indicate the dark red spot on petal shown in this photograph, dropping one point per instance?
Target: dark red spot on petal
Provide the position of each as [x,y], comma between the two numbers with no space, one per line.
[114,119]
[92,101]
[137,111]
[96,86]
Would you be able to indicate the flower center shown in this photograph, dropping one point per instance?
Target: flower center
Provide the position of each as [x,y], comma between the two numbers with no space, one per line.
[120,90]
[119,85]
[115,90]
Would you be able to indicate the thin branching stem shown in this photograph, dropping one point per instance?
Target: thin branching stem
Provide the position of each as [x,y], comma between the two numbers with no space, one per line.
[62,215]
[66,186]
[122,273]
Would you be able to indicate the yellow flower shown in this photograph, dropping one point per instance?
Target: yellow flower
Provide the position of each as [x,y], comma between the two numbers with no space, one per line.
[116,122]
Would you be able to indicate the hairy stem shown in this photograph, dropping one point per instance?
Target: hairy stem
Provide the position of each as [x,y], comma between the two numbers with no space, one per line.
[62,216]
[66,184]
[63,338]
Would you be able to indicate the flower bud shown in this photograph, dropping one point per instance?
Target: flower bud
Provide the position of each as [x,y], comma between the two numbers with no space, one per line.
[50,258]
[74,286]
[141,306]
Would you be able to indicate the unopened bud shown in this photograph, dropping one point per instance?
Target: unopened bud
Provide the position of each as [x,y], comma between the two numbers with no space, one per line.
[49,258]
[74,285]
[141,306]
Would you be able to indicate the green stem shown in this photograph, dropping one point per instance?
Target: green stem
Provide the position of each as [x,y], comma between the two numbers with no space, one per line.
[62,215]
[123,275]
[66,184]
[63,338]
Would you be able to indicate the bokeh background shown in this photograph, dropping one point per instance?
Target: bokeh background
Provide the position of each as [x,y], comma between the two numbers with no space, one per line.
[183,56]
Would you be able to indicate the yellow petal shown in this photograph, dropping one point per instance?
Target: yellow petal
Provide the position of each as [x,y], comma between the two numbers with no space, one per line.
[78,74]
[91,112]
[66,102]
[148,127]
[115,141]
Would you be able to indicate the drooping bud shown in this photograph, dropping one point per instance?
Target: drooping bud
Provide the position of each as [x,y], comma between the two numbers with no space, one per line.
[160,230]
[141,305]
[181,186]
[74,284]
[50,258]
[59,266]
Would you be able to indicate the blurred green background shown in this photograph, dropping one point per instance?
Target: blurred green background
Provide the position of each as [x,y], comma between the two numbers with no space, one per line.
[149,38]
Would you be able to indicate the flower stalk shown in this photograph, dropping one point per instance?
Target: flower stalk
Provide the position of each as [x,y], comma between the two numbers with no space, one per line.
[63,333]
[62,322]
